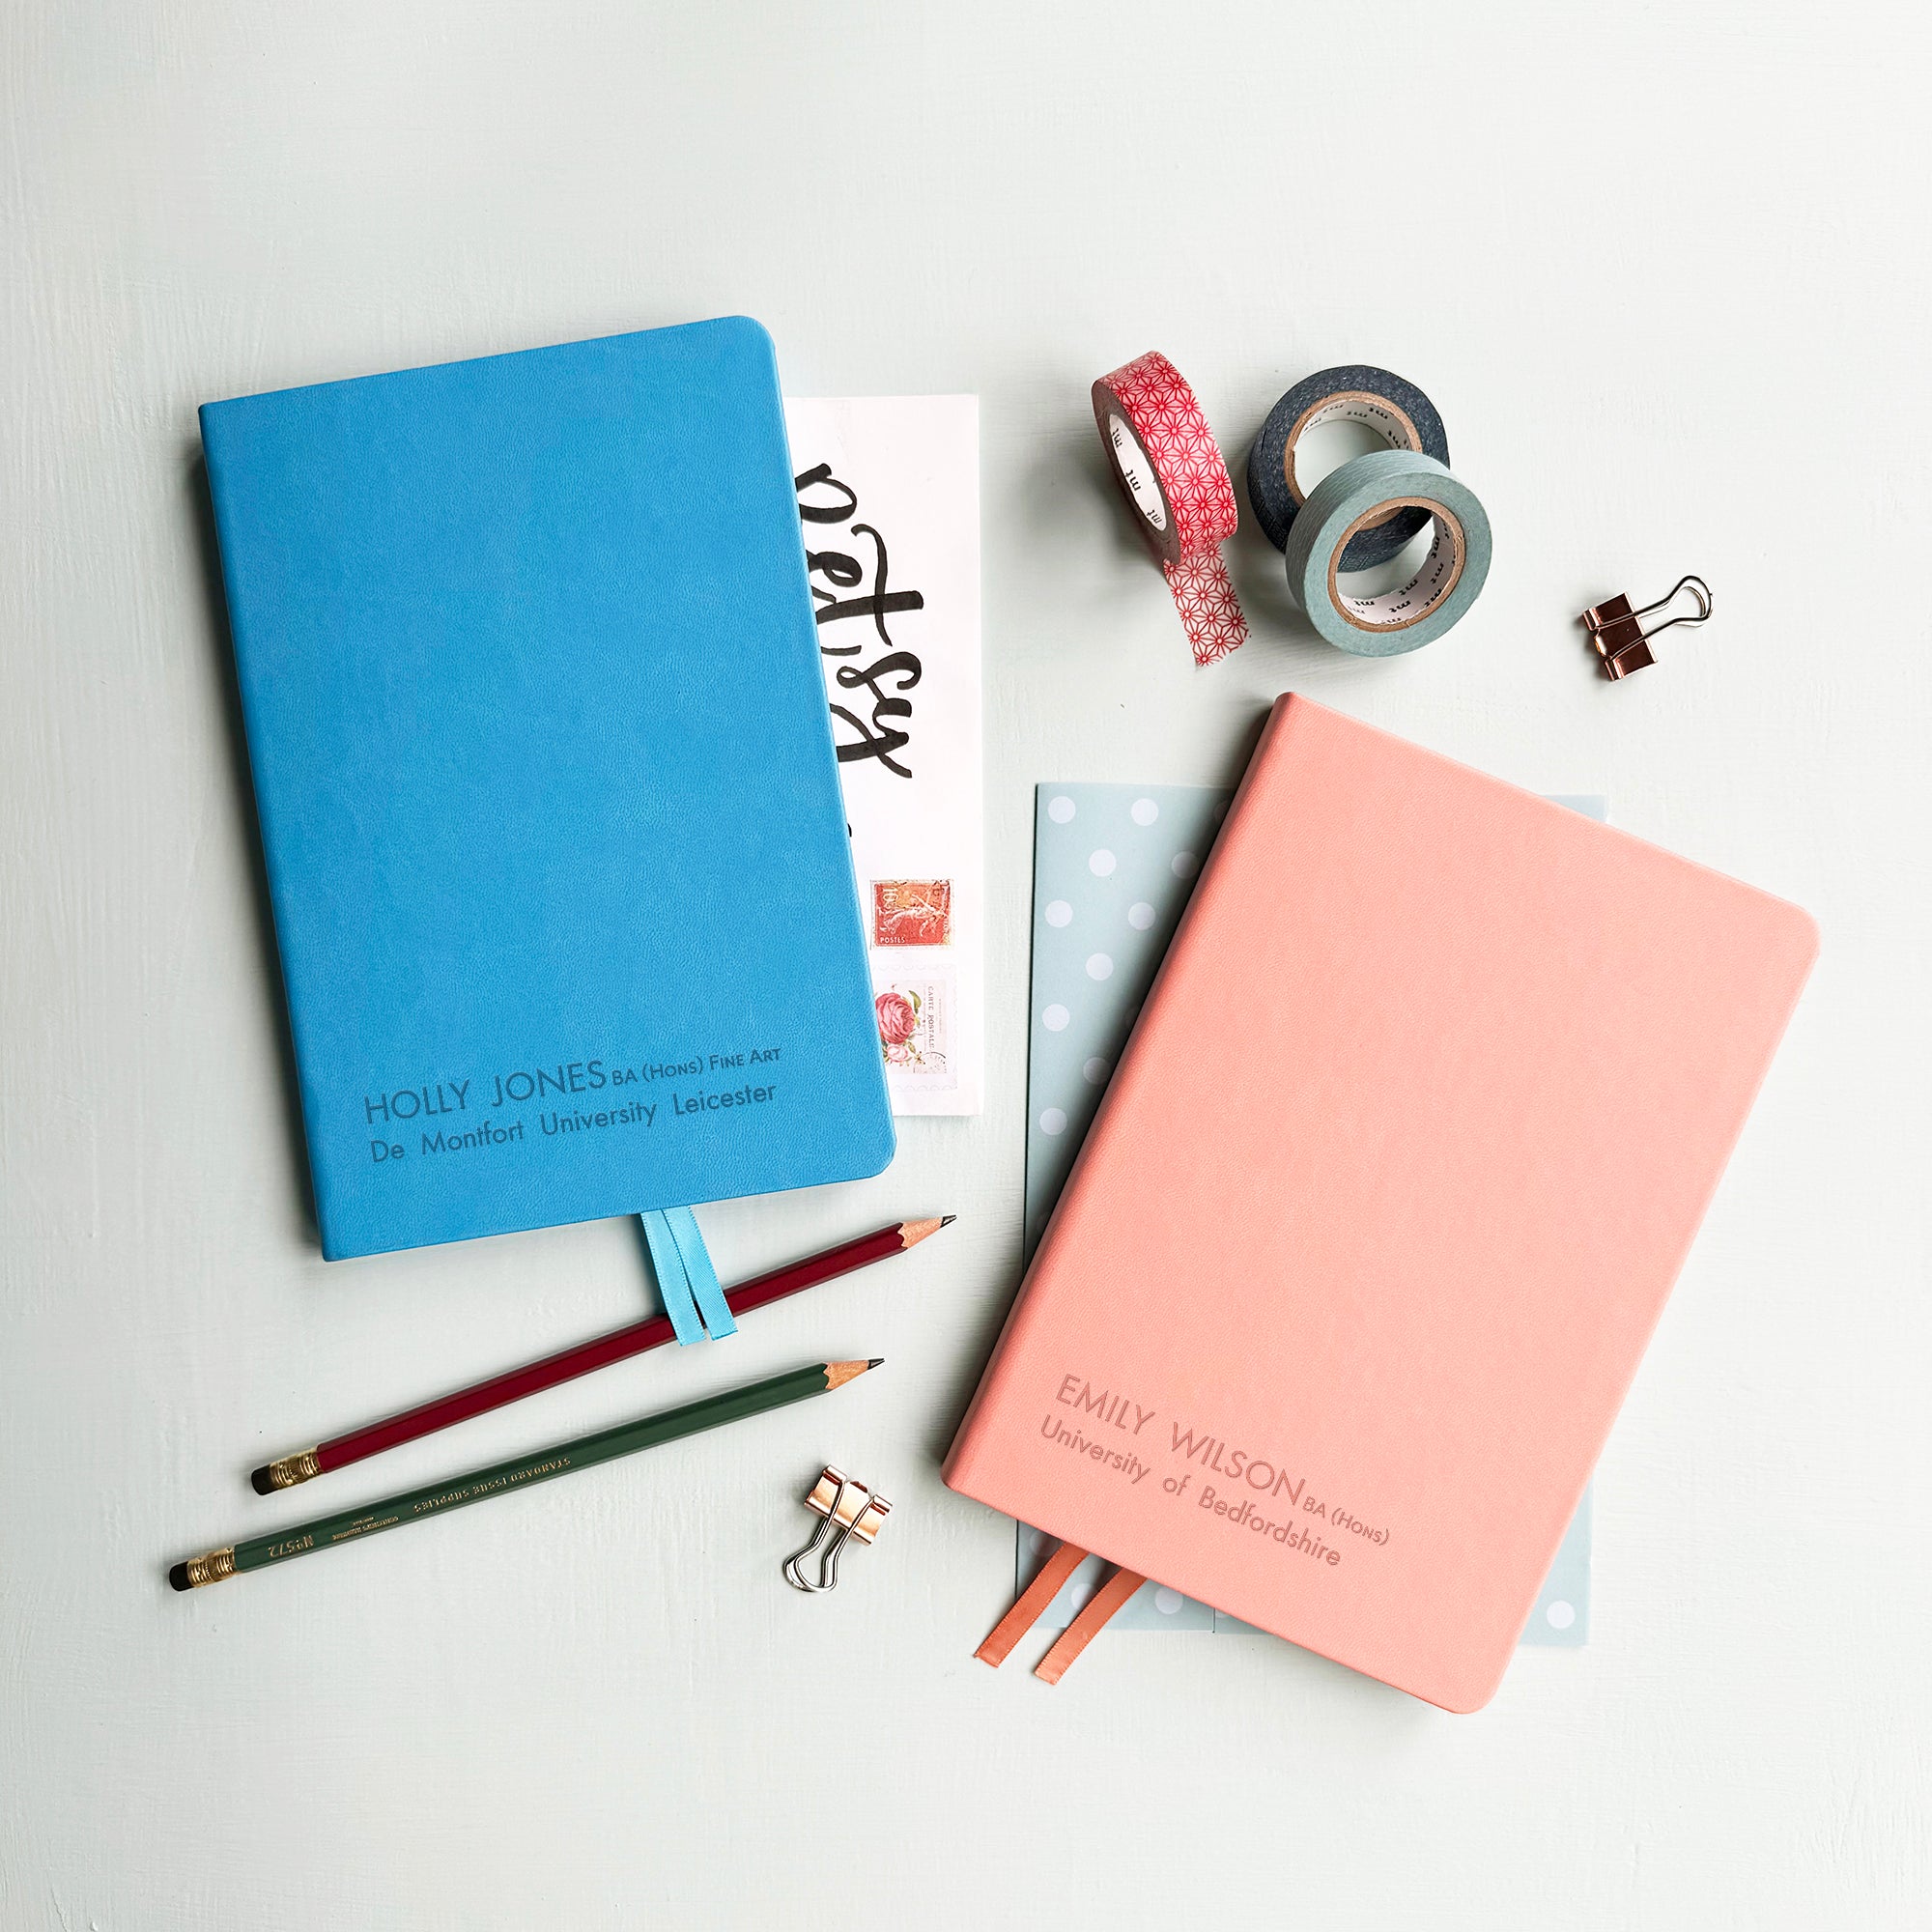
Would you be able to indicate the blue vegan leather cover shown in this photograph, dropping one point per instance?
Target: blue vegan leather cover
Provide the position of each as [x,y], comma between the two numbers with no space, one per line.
[553,825]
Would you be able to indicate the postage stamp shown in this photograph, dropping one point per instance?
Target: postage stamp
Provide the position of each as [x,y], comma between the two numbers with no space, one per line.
[912,912]
[915,1027]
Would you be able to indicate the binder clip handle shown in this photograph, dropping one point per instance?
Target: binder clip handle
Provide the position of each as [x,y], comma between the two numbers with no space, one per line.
[846,1510]
[1617,633]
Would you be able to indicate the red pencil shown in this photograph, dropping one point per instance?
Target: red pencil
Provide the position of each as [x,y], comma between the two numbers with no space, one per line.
[514,1383]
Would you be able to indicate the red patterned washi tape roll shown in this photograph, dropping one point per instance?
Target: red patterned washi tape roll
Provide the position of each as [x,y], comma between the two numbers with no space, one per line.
[1171,470]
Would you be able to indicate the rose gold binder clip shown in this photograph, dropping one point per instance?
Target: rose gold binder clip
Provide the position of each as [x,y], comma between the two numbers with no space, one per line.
[848,1510]
[1617,633]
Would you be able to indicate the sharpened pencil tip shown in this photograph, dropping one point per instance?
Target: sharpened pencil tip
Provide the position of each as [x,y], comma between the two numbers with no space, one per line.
[177,1576]
[839,1374]
[877,1362]
[947,1220]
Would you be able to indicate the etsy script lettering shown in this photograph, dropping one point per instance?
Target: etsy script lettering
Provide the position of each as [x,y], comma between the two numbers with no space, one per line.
[846,586]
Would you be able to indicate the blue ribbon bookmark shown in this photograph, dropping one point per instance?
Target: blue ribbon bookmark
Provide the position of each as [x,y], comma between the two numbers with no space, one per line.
[686,1282]
[698,1272]
[673,1289]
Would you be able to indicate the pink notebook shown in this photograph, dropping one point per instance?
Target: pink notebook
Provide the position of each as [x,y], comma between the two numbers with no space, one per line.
[1382,1205]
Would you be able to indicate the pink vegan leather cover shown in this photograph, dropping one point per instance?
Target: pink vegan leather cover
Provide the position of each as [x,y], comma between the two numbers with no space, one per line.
[1382,1205]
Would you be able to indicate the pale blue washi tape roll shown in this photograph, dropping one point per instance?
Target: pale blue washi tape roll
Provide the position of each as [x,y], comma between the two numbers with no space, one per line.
[1360,494]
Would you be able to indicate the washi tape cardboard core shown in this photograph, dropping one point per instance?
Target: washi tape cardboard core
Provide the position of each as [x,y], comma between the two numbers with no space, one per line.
[1393,425]
[1434,579]
[1135,468]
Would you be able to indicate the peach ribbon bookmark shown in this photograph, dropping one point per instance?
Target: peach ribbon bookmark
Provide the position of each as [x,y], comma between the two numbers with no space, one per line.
[1031,1606]
[1088,1625]
[1033,1602]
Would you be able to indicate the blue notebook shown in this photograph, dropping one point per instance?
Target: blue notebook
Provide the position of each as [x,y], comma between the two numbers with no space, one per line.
[561,884]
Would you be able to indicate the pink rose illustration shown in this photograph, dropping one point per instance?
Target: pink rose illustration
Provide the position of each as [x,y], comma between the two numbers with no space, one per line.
[897,1018]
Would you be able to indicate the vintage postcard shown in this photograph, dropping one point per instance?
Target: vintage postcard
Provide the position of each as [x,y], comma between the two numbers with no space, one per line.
[888,490]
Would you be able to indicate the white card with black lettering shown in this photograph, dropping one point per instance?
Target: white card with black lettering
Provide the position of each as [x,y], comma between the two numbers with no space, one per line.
[888,490]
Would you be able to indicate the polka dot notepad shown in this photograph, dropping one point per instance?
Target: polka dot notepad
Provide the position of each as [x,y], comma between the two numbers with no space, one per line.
[1112,868]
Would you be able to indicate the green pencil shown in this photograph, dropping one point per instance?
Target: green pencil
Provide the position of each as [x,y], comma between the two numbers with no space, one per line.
[626,1439]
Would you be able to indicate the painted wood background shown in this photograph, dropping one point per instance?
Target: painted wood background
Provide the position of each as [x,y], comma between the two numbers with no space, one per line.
[1663,269]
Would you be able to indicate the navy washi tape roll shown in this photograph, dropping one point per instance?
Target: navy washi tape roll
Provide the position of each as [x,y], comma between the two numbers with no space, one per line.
[1383,403]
